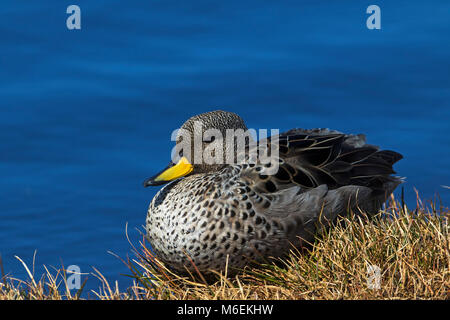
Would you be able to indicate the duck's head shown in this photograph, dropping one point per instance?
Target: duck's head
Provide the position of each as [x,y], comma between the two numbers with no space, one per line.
[201,146]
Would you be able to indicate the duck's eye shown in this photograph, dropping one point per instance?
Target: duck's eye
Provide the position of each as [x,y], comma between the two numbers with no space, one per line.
[180,153]
[209,140]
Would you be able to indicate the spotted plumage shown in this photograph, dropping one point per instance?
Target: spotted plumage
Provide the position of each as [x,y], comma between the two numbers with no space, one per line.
[233,214]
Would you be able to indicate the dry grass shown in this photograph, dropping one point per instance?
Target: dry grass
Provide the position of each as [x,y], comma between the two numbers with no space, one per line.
[410,248]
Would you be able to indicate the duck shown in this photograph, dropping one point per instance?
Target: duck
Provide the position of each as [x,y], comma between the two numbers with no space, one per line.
[216,215]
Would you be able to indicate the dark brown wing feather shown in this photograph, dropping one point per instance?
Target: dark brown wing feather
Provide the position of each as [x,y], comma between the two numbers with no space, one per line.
[310,158]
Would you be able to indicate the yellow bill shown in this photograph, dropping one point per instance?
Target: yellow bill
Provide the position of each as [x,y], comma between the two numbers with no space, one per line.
[172,172]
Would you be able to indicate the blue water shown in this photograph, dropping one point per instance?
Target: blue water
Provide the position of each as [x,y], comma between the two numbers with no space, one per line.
[86,115]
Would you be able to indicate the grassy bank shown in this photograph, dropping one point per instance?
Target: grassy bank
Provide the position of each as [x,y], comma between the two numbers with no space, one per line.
[409,249]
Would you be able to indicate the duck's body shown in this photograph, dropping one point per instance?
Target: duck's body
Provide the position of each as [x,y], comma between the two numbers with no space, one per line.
[236,213]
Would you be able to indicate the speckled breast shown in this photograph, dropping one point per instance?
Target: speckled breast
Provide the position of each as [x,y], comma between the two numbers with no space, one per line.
[208,217]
